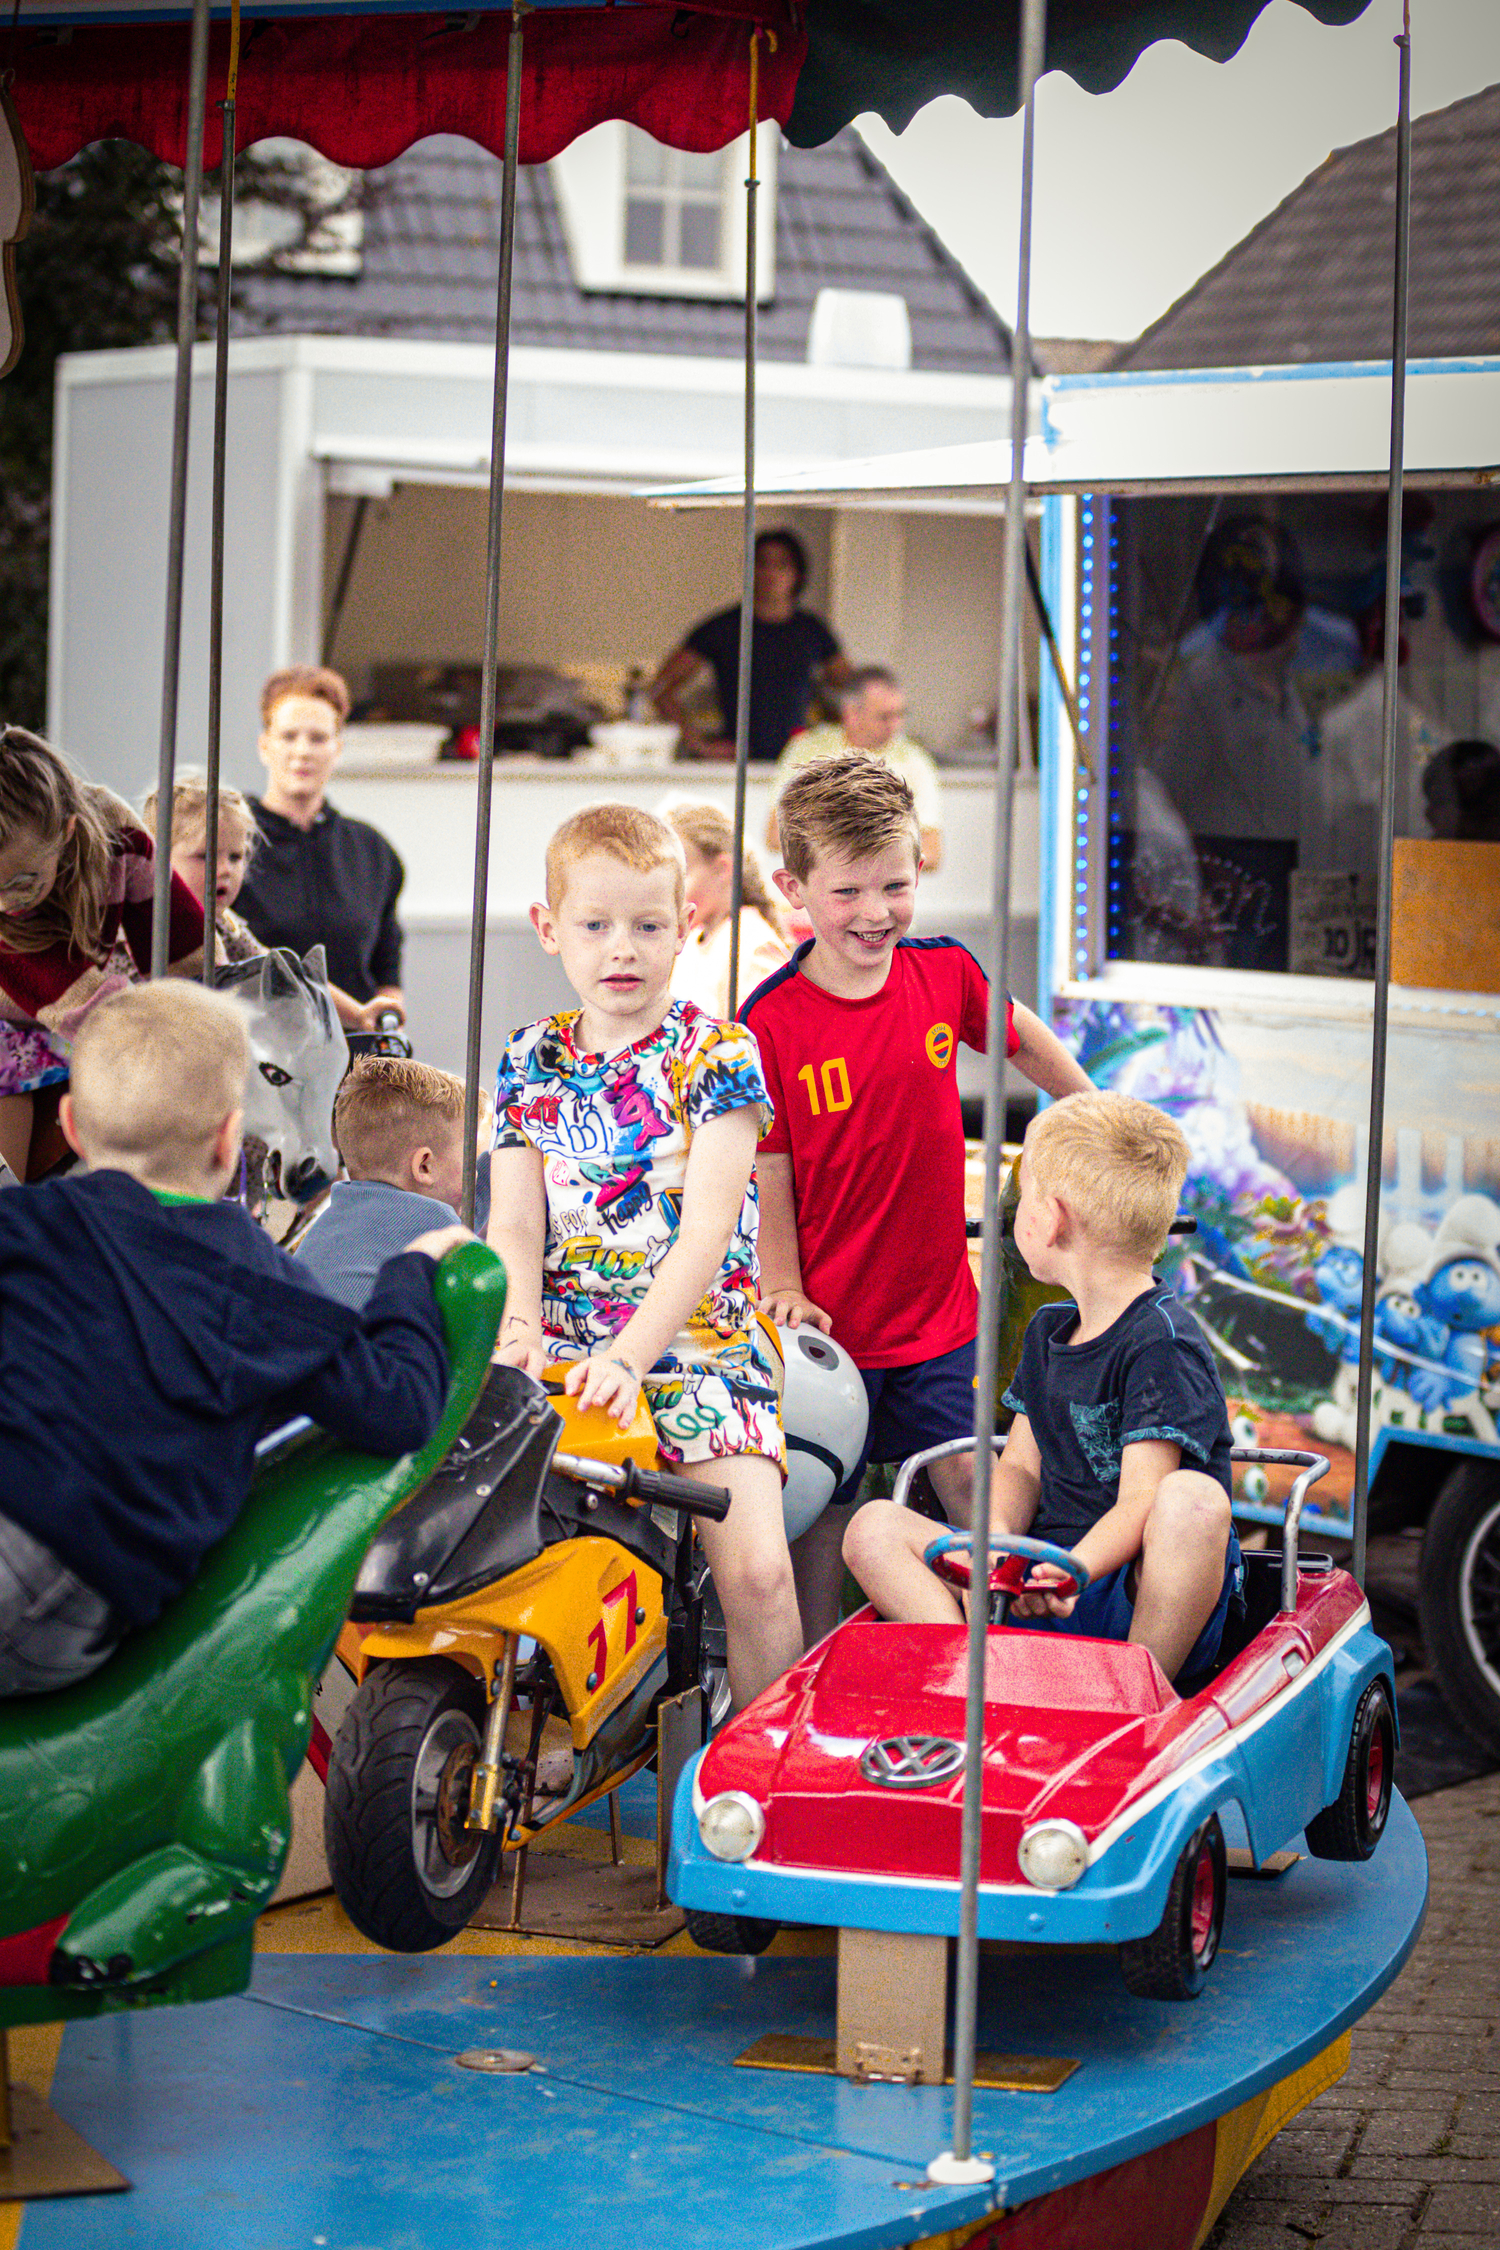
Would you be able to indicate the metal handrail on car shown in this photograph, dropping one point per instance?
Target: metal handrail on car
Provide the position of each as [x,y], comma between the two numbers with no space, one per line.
[908,1469]
[1313,1467]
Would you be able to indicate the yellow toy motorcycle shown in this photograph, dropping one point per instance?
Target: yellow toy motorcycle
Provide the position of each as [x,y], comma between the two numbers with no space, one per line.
[583,1554]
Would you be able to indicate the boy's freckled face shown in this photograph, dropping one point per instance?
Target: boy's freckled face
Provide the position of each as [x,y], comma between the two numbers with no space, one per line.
[447,1182]
[1030,1233]
[618,932]
[860,907]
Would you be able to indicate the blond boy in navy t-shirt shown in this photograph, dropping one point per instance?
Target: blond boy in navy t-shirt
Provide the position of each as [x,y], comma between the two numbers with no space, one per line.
[1120,1450]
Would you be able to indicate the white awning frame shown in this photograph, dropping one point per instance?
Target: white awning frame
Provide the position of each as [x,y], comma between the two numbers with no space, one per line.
[1288,429]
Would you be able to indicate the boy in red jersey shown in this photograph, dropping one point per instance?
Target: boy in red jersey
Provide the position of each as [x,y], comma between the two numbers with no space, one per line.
[861,1176]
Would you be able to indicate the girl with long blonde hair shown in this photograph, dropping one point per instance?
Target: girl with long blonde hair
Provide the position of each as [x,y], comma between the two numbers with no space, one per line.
[702,972]
[76,882]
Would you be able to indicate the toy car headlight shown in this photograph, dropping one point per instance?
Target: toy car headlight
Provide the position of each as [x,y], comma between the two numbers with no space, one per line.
[731,1825]
[1053,1855]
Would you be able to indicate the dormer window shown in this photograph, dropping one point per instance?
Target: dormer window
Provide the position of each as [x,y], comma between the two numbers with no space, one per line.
[648,221]
[674,206]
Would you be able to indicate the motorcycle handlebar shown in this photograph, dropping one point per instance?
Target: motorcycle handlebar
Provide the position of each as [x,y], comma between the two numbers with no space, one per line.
[651,1485]
[687,1493]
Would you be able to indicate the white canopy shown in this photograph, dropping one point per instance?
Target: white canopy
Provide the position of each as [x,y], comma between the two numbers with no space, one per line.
[1293,428]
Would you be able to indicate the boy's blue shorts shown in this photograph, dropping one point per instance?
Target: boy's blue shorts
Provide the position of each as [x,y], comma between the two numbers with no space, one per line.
[1104,1611]
[911,1408]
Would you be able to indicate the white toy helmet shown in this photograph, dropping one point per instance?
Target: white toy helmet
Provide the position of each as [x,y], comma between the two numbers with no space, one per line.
[826,1414]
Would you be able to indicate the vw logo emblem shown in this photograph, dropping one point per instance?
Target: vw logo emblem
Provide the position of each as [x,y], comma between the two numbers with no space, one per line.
[911,1761]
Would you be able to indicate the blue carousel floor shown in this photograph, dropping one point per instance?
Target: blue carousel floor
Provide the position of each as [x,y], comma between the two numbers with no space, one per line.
[324,2108]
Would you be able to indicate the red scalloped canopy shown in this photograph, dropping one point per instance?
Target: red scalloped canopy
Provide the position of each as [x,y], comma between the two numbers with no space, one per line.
[363,88]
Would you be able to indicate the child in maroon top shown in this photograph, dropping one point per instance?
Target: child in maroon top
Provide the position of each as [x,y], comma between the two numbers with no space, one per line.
[861,1176]
[76,884]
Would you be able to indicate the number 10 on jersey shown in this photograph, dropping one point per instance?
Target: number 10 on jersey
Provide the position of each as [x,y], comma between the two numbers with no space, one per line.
[836,1094]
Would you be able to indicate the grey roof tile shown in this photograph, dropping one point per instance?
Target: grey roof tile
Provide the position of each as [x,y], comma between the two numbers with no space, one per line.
[432,228]
[1314,280]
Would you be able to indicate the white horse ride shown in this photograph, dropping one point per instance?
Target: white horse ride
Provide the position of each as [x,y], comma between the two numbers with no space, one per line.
[298,1059]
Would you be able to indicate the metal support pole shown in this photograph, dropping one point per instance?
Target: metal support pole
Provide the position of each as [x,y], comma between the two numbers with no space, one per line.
[747,575]
[485,777]
[1374,1161]
[961,2164]
[216,536]
[187,321]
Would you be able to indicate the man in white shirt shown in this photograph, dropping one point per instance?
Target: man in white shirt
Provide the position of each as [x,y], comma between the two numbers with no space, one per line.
[872,713]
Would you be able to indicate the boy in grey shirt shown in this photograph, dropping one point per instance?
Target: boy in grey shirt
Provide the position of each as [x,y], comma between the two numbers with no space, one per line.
[399,1128]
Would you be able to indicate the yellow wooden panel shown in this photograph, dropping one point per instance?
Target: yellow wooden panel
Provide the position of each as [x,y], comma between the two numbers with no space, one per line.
[1445,915]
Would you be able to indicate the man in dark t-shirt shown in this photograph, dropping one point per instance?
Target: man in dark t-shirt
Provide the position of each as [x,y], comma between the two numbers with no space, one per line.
[790,650]
[1120,1449]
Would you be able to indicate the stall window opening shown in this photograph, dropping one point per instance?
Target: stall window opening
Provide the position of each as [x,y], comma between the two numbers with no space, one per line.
[1245,694]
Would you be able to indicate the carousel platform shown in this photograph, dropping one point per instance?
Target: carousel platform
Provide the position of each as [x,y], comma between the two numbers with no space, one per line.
[329,2107]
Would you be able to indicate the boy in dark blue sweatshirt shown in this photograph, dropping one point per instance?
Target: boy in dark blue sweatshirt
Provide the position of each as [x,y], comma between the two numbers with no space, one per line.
[150,1333]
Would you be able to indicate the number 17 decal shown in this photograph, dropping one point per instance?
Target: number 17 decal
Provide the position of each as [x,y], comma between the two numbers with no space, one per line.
[599,1634]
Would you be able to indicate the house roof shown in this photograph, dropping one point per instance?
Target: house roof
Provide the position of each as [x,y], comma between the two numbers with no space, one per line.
[1313,282]
[431,237]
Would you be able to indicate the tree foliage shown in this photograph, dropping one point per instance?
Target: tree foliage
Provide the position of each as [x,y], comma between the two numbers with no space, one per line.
[97,271]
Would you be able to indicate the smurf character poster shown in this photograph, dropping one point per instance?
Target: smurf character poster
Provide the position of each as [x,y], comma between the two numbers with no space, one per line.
[1275,1268]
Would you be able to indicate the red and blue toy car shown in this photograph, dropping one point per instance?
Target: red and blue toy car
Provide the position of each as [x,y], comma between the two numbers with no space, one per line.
[836,1797]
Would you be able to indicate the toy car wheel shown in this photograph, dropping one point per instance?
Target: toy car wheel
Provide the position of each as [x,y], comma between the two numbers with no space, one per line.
[728,1933]
[1459,1598]
[1174,1961]
[407,1871]
[1352,1825]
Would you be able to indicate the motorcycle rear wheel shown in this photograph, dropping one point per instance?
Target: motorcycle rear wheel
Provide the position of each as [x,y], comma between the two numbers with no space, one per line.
[407,1872]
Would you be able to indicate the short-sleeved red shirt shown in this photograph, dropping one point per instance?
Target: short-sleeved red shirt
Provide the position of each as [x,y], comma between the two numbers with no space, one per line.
[866,1101]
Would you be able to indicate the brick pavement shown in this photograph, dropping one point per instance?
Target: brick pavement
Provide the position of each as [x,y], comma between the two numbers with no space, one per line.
[1404,2153]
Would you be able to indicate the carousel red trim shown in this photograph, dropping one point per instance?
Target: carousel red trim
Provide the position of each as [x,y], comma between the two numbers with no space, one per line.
[363,88]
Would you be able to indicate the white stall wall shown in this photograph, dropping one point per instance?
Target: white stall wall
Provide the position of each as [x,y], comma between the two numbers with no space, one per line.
[108,593]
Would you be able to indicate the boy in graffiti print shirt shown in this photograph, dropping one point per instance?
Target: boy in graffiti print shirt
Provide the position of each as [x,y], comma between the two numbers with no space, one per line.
[623,1206]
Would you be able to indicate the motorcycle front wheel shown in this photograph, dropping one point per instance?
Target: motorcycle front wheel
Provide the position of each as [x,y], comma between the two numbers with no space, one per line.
[408,1873]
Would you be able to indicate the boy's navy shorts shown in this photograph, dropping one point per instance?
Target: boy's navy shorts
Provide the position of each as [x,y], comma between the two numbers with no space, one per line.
[1104,1611]
[914,1407]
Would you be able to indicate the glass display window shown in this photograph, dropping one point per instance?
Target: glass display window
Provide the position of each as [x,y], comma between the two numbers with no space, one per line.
[1230,682]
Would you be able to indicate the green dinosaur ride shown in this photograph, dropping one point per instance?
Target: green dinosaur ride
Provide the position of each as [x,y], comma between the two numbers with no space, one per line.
[145,1811]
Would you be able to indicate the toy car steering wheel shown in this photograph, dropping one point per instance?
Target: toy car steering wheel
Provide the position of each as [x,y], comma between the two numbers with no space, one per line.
[951,1557]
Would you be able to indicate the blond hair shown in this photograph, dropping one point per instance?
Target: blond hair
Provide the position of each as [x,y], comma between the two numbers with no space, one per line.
[386,1110]
[853,804]
[636,839]
[316,680]
[710,831]
[155,1072]
[40,792]
[1117,1162]
[190,811]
